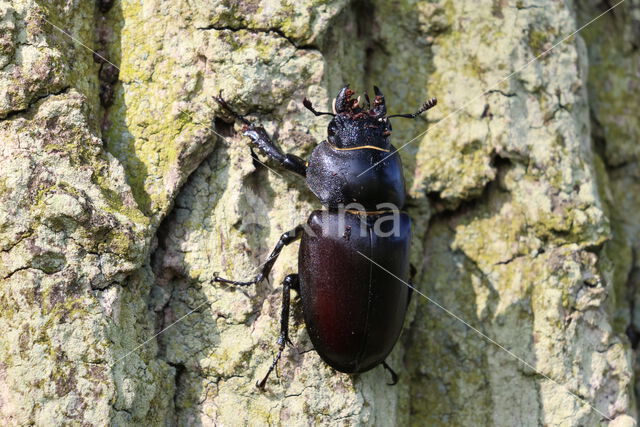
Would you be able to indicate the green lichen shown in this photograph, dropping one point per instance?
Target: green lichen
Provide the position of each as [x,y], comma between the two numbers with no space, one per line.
[538,40]
[3,186]
[115,203]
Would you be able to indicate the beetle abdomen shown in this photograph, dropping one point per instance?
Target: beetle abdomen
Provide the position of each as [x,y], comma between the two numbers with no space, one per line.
[353,309]
[332,175]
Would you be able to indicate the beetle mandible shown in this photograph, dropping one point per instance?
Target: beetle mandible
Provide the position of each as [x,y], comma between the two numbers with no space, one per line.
[353,310]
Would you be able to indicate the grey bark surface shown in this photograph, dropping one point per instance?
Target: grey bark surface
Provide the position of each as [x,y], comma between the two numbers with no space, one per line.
[115,216]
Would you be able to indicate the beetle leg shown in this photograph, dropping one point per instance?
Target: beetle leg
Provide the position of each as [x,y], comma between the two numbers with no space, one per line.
[290,282]
[260,139]
[412,275]
[394,376]
[287,238]
[235,115]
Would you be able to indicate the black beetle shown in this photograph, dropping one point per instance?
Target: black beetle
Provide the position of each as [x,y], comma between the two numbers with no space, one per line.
[353,309]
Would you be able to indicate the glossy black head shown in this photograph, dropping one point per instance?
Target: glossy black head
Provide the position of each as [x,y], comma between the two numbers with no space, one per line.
[358,138]
[358,123]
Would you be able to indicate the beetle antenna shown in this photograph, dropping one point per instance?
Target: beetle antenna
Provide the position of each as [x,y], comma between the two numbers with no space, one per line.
[426,106]
[309,106]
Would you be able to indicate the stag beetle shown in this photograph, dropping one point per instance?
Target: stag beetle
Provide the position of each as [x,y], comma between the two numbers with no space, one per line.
[353,309]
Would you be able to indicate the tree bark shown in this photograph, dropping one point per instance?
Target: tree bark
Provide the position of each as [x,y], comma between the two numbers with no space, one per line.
[124,191]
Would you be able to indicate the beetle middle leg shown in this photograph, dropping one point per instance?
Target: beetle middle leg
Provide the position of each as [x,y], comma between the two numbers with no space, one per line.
[260,139]
[286,239]
[291,282]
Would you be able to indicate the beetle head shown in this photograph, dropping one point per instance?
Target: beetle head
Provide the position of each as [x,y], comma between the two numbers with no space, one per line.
[357,123]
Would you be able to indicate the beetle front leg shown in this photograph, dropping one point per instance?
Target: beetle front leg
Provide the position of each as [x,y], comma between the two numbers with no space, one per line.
[291,282]
[260,139]
[287,238]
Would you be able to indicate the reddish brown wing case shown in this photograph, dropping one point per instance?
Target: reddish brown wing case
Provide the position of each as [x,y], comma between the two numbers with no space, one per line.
[353,309]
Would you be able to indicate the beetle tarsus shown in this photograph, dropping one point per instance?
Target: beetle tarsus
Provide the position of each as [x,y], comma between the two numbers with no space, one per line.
[236,283]
[394,376]
[286,238]
[230,110]
[289,283]
[263,382]
[426,106]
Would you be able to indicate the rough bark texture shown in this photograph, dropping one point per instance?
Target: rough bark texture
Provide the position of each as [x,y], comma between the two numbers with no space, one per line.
[120,200]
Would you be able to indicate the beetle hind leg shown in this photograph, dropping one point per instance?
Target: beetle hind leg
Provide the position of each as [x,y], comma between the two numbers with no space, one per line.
[394,376]
[291,282]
